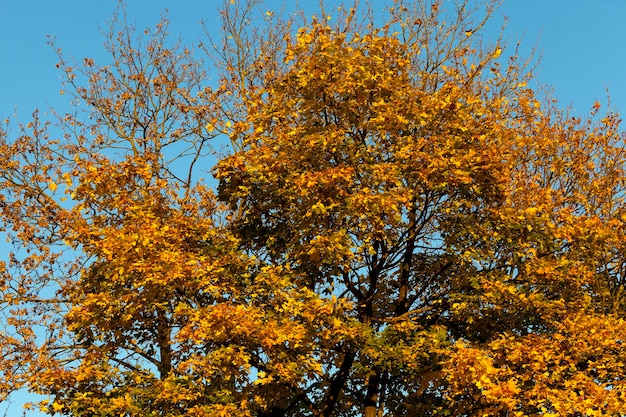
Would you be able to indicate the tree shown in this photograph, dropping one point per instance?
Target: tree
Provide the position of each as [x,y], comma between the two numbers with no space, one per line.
[401,226]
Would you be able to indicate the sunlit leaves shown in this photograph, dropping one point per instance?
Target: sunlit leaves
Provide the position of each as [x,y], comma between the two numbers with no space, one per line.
[402,226]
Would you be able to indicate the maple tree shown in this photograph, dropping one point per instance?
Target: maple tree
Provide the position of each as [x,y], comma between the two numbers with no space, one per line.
[400,226]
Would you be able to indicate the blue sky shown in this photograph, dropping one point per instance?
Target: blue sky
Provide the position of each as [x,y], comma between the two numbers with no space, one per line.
[582,44]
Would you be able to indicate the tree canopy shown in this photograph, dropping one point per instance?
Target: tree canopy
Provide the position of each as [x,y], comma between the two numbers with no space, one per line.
[398,225]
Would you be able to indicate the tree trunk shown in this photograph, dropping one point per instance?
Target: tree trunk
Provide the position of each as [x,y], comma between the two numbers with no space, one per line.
[371,398]
[164,344]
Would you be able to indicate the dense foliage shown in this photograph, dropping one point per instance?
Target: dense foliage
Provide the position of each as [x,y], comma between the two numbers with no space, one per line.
[400,226]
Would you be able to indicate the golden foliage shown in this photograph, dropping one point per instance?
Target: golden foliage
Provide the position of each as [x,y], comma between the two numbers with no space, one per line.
[400,227]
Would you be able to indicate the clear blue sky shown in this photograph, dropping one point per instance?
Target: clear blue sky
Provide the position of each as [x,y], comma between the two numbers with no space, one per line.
[582,43]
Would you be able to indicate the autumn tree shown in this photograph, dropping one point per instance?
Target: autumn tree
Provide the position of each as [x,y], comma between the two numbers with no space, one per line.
[400,226]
